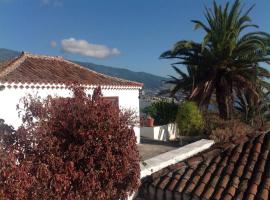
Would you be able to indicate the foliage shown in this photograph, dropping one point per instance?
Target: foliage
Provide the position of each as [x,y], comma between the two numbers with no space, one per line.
[6,134]
[252,110]
[221,130]
[14,179]
[163,112]
[185,84]
[228,59]
[189,119]
[71,148]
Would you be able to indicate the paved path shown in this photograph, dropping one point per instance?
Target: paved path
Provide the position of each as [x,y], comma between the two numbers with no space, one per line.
[149,148]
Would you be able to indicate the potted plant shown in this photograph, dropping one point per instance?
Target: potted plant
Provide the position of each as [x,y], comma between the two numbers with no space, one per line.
[149,121]
[163,112]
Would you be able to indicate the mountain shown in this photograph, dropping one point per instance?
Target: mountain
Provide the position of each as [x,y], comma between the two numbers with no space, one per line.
[150,81]
[7,54]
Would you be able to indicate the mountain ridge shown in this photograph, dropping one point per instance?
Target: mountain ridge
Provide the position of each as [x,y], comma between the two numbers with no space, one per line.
[150,81]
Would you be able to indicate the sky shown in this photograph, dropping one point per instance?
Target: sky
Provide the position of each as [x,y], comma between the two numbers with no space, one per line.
[120,33]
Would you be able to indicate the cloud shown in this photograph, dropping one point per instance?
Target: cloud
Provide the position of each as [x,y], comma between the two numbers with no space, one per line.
[53,44]
[84,48]
[55,3]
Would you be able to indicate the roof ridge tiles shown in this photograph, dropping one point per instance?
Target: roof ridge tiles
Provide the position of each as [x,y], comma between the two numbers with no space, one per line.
[32,55]
[13,64]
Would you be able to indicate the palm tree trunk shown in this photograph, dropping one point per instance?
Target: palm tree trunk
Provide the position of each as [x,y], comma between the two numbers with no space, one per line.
[224,99]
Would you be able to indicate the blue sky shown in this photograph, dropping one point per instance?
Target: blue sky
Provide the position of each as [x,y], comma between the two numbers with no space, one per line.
[121,33]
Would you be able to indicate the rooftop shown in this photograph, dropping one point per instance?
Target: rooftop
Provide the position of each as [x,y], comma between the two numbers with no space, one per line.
[29,68]
[239,170]
[149,148]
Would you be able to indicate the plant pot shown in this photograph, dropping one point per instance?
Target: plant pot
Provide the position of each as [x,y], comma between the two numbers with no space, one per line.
[149,122]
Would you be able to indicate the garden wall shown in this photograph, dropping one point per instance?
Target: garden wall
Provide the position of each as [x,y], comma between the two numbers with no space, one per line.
[164,133]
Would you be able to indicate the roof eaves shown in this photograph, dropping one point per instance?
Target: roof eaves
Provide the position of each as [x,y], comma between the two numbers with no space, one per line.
[17,84]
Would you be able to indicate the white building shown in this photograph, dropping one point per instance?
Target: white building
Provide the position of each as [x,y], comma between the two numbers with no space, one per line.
[46,75]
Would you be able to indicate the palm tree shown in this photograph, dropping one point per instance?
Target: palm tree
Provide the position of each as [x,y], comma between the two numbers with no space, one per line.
[228,59]
[254,111]
[185,84]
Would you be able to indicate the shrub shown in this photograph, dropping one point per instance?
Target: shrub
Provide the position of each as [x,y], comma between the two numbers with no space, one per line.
[6,134]
[163,112]
[189,119]
[212,121]
[14,179]
[77,148]
[221,130]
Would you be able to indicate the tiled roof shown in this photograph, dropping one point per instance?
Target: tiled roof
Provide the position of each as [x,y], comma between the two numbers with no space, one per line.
[28,68]
[232,171]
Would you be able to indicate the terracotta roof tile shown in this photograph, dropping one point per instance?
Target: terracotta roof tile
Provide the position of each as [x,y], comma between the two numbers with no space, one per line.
[235,171]
[208,193]
[227,197]
[182,185]
[200,189]
[264,194]
[232,190]
[28,68]
[239,195]
[258,147]
[218,193]
[172,185]
[253,189]
[224,181]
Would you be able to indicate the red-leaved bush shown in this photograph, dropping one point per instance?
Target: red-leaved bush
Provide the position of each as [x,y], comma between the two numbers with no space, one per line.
[70,148]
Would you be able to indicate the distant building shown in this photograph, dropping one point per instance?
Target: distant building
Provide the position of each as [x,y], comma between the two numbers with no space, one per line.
[45,75]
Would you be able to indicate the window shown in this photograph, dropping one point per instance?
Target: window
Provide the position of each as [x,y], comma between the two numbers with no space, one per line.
[113,100]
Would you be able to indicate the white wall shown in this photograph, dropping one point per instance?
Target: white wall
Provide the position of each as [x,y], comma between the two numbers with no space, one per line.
[164,133]
[10,98]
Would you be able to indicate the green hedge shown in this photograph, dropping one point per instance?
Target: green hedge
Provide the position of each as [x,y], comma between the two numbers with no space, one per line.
[189,119]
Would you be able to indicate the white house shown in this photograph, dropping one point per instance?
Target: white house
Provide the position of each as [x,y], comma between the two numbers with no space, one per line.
[46,75]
